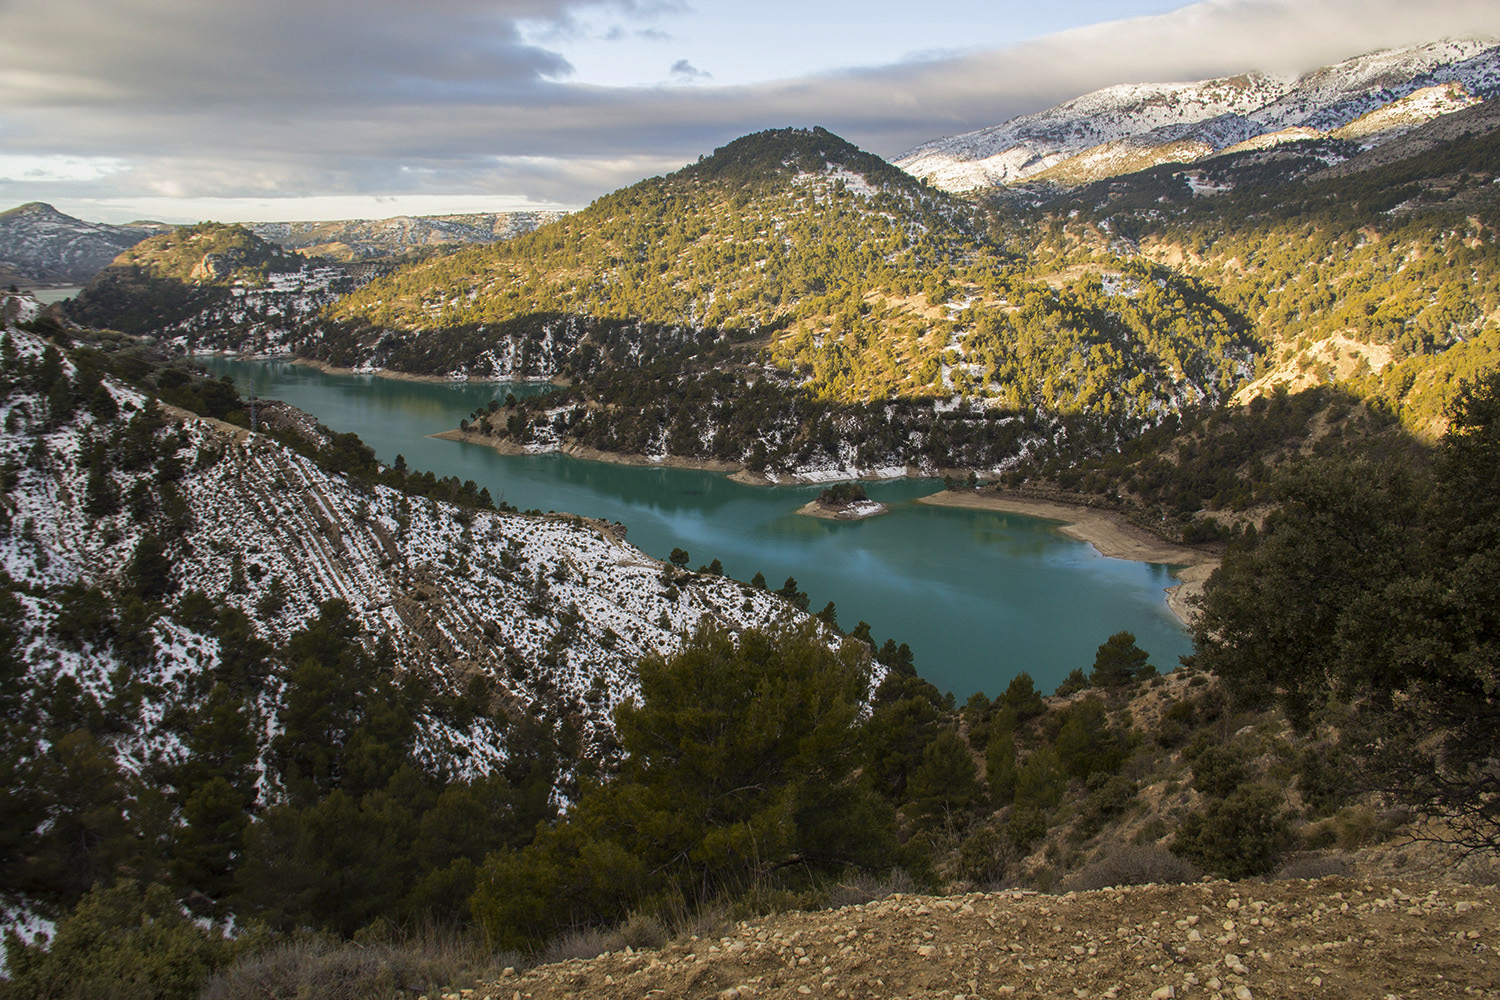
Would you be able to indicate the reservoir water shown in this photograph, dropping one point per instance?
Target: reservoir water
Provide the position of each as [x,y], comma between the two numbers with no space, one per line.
[979,596]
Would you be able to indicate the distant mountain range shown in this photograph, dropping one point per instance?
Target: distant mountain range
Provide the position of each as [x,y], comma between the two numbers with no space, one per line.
[1364,101]
[360,239]
[41,246]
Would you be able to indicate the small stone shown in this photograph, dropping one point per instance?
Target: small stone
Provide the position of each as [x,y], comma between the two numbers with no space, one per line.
[1164,993]
[1242,993]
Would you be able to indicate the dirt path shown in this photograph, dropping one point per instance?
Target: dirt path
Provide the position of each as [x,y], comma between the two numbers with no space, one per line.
[1321,940]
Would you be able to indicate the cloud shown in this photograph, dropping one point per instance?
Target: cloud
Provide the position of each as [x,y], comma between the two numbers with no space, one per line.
[685,72]
[338,97]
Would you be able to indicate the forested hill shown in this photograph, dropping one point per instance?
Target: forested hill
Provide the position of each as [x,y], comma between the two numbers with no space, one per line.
[862,282]
[1378,276]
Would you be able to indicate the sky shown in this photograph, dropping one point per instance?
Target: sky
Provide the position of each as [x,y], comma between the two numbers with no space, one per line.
[266,110]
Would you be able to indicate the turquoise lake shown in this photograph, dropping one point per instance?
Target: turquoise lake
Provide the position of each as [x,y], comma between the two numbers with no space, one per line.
[979,596]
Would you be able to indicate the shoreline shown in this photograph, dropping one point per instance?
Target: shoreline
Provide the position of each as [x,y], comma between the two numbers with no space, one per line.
[506,446]
[399,376]
[390,373]
[1110,534]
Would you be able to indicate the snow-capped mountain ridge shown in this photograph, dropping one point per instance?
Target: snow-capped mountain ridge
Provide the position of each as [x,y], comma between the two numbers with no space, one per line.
[1130,126]
[40,245]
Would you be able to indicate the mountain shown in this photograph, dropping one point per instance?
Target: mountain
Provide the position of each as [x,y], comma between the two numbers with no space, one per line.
[457,591]
[739,309]
[1118,130]
[213,276]
[40,245]
[790,304]
[362,239]
[207,632]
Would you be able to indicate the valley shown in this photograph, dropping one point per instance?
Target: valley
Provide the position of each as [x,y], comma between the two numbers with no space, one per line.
[349,603]
[885,571]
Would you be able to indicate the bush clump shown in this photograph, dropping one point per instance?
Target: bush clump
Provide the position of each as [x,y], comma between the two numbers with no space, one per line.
[1127,864]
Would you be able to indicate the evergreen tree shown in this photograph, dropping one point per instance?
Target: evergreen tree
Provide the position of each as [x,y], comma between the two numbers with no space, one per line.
[1119,661]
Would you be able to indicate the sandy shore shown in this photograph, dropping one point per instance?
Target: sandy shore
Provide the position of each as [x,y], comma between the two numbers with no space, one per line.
[1109,533]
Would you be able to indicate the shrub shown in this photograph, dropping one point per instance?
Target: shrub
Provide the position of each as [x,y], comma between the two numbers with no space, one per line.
[119,943]
[1109,797]
[1072,684]
[1237,837]
[1153,830]
[864,887]
[1025,827]
[981,858]
[1218,770]
[642,930]
[1131,865]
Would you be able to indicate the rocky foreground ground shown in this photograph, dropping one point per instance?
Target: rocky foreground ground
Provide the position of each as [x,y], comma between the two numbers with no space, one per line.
[1330,938]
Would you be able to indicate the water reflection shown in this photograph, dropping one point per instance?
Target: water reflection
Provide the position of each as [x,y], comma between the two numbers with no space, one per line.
[979,595]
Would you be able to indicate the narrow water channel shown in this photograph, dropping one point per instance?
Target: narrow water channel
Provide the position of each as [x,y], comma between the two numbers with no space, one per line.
[979,596]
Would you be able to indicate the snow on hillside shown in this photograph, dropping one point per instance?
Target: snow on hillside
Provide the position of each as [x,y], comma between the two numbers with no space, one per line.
[542,605]
[41,244]
[1128,127]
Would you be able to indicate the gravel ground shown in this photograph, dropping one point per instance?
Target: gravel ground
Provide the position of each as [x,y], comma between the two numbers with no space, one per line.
[1330,938]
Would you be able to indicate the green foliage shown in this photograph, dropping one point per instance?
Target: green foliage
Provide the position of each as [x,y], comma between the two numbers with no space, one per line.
[905,720]
[1088,744]
[1073,683]
[842,493]
[1237,837]
[172,276]
[946,783]
[739,758]
[1375,585]
[1119,661]
[1400,261]
[1040,781]
[1218,769]
[120,943]
[1022,697]
[1000,766]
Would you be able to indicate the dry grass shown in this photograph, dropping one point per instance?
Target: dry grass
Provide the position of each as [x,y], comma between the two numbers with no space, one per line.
[418,962]
[1131,865]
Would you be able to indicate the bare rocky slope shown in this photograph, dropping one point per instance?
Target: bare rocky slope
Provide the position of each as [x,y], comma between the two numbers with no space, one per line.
[1339,937]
